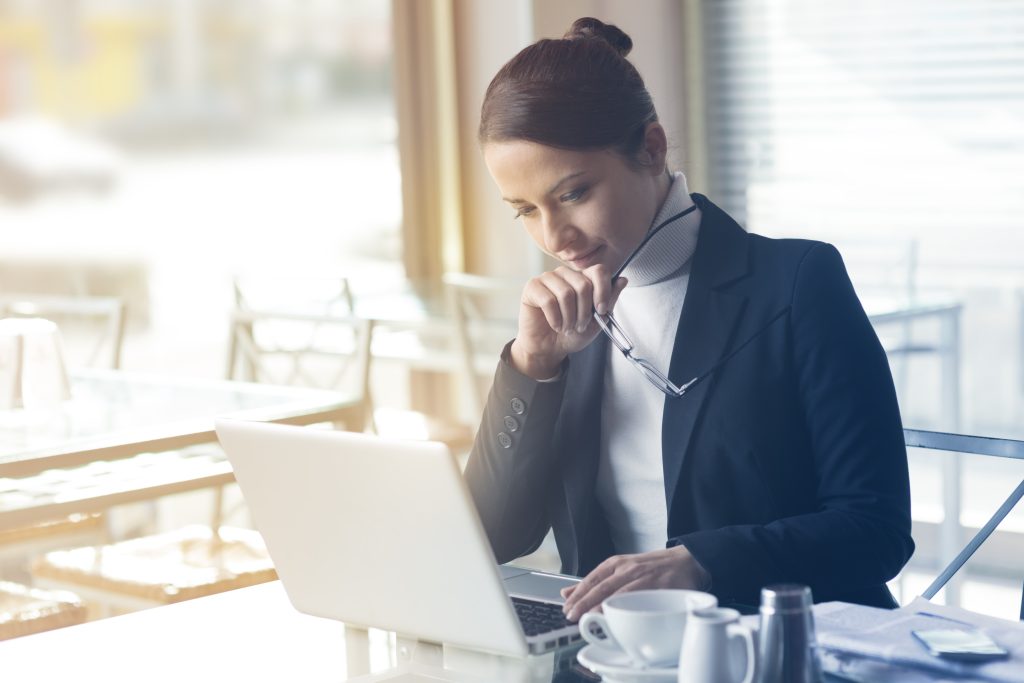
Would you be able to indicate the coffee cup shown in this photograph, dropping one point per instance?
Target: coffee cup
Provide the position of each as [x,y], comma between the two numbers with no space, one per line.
[647,625]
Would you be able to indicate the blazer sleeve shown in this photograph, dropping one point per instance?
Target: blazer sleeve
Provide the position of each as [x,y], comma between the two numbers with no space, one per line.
[511,465]
[858,535]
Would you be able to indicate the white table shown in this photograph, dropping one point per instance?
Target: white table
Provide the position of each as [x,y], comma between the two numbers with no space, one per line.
[251,634]
[887,311]
[254,634]
[125,430]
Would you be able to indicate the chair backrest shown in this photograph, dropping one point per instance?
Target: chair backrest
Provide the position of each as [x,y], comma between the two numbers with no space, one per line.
[92,327]
[974,445]
[295,339]
[483,310]
[301,294]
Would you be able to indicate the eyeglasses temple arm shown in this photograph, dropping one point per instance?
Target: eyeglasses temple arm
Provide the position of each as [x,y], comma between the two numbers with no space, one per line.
[700,378]
[651,233]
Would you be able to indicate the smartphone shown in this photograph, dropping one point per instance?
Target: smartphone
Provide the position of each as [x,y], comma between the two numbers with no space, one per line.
[963,645]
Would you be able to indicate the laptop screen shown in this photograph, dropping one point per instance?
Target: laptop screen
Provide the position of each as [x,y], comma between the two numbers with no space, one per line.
[374,532]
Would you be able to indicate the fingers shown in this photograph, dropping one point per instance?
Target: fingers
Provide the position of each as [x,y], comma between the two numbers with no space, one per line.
[607,578]
[556,317]
[617,287]
[668,568]
[616,290]
[606,292]
[603,287]
[566,297]
[542,293]
[576,296]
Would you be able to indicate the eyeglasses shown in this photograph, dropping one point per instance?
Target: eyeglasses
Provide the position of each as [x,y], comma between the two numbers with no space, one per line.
[622,341]
[624,344]
[656,377]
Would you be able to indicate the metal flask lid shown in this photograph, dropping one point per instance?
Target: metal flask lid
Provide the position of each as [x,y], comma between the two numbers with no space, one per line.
[786,598]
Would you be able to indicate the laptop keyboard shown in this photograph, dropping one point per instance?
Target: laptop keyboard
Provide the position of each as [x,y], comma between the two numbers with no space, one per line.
[540,617]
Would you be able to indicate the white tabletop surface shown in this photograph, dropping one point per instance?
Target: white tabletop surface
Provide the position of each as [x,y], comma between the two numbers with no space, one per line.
[218,638]
[254,634]
[250,634]
[118,414]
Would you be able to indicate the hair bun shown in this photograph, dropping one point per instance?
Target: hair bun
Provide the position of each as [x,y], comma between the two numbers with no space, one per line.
[589,28]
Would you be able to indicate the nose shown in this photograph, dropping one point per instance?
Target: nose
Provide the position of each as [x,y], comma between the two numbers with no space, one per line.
[558,233]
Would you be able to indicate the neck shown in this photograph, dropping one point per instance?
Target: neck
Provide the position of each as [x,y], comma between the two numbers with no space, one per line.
[665,252]
[662,184]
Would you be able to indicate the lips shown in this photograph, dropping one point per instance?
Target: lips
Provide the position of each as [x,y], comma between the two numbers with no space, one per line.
[585,260]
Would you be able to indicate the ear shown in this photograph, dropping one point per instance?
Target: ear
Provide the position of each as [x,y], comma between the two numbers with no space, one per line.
[655,148]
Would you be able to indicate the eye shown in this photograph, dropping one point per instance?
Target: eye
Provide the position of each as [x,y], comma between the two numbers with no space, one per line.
[574,195]
[523,211]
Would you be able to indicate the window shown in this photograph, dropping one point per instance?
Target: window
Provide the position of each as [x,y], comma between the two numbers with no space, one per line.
[885,127]
[889,127]
[154,149]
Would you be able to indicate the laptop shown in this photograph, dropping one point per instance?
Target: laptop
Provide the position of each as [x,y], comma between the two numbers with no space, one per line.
[382,533]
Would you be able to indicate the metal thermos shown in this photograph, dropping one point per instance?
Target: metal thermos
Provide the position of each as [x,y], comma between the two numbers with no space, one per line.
[787,651]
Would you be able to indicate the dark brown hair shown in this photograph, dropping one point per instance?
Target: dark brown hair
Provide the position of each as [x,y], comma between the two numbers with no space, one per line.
[578,92]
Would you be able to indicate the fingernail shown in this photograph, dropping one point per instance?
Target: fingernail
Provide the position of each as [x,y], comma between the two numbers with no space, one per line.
[601,309]
[581,329]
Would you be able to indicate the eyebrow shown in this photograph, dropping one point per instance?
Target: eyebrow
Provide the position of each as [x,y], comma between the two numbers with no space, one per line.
[551,190]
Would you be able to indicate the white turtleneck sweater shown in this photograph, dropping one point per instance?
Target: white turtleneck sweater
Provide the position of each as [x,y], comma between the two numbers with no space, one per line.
[630,477]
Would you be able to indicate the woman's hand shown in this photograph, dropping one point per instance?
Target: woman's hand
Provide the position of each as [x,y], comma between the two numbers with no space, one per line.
[670,568]
[556,316]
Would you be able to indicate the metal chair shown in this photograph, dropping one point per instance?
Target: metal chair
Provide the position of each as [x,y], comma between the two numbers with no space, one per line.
[317,350]
[279,324]
[417,425]
[303,331]
[976,445]
[92,328]
[158,569]
[25,610]
[483,310]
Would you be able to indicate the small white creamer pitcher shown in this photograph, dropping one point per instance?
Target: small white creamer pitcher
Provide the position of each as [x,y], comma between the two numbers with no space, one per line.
[711,652]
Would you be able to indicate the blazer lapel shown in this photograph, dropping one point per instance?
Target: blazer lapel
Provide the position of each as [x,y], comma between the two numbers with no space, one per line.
[706,327]
[580,427]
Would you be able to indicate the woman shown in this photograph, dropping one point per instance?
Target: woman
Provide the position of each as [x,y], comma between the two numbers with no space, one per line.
[783,461]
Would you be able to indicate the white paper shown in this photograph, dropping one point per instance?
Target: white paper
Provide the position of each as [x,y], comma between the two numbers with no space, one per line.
[885,635]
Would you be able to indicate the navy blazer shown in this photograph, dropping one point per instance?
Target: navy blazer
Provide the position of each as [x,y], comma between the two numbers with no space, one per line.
[787,464]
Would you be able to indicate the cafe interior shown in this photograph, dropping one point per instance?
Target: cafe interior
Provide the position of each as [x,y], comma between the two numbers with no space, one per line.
[278,210]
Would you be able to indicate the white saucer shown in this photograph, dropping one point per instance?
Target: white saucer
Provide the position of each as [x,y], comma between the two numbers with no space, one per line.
[613,666]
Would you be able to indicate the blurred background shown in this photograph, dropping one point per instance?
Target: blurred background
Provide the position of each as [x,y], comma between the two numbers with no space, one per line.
[157,150]
[152,150]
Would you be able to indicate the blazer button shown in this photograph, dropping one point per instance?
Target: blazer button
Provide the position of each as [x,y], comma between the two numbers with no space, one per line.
[518,407]
[511,424]
[504,440]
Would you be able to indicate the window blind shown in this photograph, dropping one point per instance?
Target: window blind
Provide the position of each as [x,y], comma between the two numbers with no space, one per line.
[878,119]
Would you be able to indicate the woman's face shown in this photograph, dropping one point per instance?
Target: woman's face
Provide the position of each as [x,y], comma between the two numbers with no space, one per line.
[583,208]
